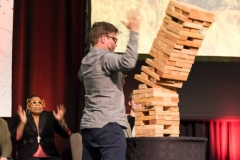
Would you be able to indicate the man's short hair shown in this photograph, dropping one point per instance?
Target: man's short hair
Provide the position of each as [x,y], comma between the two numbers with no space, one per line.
[101,28]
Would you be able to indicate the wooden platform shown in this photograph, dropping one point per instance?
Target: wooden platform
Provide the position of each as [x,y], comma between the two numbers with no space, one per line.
[166,148]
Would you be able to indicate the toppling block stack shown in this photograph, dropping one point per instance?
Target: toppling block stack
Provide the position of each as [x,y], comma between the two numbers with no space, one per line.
[173,53]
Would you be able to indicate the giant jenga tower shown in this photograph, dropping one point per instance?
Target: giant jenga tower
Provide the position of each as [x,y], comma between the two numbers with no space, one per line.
[173,53]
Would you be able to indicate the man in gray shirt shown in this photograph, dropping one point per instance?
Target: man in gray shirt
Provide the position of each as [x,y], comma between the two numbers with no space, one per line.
[101,72]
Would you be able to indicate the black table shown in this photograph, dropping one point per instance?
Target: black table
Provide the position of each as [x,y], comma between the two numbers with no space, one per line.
[166,148]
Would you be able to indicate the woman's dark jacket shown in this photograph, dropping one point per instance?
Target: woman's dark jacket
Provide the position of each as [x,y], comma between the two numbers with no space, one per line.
[28,144]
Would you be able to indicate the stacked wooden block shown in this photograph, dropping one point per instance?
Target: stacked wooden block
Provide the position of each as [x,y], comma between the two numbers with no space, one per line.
[173,51]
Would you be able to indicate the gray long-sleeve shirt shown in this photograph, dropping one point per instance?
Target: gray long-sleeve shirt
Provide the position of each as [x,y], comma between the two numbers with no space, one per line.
[101,73]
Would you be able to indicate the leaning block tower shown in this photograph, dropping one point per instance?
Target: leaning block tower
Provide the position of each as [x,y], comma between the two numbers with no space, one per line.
[173,53]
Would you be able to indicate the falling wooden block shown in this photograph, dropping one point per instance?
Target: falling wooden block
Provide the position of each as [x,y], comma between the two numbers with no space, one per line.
[147,82]
[149,72]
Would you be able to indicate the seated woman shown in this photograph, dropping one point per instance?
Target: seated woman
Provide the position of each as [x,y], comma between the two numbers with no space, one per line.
[5,141]
[33,130]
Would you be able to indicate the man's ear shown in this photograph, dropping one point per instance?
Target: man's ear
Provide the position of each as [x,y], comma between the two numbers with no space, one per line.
[103,39]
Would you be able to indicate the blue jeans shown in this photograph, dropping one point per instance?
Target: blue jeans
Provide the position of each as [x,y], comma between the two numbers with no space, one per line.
[107,142]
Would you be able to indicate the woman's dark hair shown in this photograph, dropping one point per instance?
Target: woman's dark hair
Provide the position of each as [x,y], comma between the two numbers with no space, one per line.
[31,96]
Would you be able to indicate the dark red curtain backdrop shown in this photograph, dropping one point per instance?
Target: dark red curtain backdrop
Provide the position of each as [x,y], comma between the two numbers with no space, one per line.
[48,45]
[224,139]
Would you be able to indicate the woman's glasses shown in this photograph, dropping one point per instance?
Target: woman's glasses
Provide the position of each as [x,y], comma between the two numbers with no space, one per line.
[34,103]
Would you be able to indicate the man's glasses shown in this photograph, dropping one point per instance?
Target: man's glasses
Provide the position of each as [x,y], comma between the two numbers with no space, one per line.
[113,38]
[34,103]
